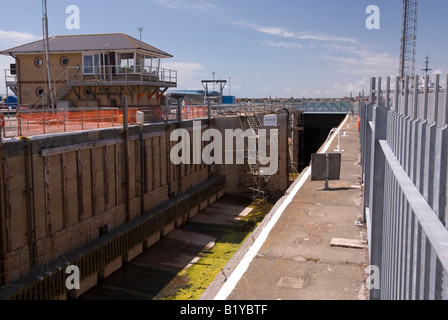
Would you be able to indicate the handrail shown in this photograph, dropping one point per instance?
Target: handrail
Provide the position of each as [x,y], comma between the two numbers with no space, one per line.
[63,77]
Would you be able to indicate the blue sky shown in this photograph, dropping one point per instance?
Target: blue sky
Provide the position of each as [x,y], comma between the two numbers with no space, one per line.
[279,48]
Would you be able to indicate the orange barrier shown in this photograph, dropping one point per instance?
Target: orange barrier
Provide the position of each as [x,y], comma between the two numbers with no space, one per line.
[194,112]
[58,117]
[67,121]
[45,122]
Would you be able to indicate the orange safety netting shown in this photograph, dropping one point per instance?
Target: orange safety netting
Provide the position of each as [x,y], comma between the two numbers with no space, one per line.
[45,122]
[66,121]
[194,112]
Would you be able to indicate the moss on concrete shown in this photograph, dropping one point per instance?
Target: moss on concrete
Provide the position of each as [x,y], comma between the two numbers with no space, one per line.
[229,239]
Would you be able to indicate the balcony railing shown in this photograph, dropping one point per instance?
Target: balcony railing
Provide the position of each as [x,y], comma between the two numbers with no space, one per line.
[123,75]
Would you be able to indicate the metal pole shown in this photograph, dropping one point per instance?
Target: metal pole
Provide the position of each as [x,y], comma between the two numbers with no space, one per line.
[445,103]
[47,53]
[327,169]
[126,156]
[179,110]
[3,250]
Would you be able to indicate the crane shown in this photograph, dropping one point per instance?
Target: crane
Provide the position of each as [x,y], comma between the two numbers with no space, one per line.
[408,40]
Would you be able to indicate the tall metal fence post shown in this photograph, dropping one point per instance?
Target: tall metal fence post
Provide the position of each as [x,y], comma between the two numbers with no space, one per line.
[367,149]
[444,115]
[376,196]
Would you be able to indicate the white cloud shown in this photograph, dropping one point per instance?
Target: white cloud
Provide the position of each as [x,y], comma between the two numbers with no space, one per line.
[347,54]
[281,44]
[360,59]
[10,39]
[352,87]
[184,66]
[202,6]
[189,74]
[281,32]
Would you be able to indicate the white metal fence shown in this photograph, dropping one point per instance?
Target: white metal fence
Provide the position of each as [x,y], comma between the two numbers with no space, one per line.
[404,139]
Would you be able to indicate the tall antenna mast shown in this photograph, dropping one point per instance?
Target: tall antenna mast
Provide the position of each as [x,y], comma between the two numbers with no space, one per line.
[426,69]
[140,29]
[47,49]
[408,40]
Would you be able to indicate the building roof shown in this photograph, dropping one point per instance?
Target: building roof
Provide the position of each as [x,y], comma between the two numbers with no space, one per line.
[186,92]
[85,43]
[181,93]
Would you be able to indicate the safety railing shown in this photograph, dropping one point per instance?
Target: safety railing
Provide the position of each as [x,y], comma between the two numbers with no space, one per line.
[404,147]
[36,122]
[114,73]
[10,79]
[25,121]
[29,120]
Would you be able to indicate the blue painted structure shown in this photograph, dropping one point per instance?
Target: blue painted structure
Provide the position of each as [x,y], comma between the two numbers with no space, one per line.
[10,101]
[337,107]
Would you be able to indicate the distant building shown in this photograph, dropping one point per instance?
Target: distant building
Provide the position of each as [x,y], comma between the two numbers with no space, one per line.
[189,97]
[228,100]
[95,70]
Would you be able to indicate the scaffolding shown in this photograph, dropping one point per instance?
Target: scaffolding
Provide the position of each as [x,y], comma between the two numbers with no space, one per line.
[252,176]
[296,140]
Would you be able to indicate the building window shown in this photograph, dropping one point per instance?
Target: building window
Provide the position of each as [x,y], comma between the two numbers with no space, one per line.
[64,61]
[87,92]
[91,64]
[39,92]
[38,62]
[126,62]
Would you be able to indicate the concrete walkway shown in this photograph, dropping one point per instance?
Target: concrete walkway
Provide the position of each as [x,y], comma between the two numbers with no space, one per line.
[312,245]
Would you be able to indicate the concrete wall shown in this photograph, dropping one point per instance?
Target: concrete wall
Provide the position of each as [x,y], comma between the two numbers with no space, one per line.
[237,178]
[79,190]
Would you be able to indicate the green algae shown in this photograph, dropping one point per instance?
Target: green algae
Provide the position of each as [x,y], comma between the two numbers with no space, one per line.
[229,239]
